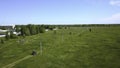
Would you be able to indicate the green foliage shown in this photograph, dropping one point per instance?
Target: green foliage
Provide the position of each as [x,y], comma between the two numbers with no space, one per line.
[27,32]
[32,29]
[17,28]
[90,29]
[22,30]
[65,27]
[37,29]
[42,29]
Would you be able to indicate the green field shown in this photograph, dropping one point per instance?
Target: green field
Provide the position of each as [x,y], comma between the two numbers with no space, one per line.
[99,48]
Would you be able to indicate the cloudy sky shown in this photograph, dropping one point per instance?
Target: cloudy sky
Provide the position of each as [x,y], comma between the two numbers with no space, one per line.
[59,12]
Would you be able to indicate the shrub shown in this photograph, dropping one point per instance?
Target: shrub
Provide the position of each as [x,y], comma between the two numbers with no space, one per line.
[42,30]
[90,30]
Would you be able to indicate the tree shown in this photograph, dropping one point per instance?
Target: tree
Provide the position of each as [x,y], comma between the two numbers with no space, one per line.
[90,29]
[37,29]
[32,29]
[29,26]
[17,28]
[42,29]
[22,30]
[27,31]
[65,27]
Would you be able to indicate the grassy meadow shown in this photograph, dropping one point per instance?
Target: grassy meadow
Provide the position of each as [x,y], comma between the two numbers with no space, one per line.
[75,47]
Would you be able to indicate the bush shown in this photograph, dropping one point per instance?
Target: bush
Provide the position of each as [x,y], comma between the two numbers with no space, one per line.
[90,30]
[65,27]
[42,30]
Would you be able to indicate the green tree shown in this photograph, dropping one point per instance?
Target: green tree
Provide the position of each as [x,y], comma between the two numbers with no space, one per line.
[37,29]
[32,29]
[27,31]
[17,28]
[42,29]
[22,30]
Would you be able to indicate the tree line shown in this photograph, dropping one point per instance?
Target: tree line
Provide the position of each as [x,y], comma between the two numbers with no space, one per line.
[27,30]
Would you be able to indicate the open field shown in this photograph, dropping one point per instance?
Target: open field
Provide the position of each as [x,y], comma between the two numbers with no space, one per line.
[81,48]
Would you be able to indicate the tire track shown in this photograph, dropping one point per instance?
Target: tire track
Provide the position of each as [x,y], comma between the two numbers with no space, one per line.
[14,63]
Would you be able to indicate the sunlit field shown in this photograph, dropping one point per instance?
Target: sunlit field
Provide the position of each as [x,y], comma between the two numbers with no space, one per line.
[74,47]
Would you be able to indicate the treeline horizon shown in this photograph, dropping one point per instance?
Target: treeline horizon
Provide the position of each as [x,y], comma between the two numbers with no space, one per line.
[74,25]
[51,26]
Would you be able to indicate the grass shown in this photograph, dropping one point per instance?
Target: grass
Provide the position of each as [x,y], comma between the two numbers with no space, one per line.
[80,49]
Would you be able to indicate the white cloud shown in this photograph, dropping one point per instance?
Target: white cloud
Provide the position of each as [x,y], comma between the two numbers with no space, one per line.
[115,2]
[115,18]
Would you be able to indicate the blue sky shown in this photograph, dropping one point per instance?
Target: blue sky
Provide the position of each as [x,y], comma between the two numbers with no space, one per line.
[59,12]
